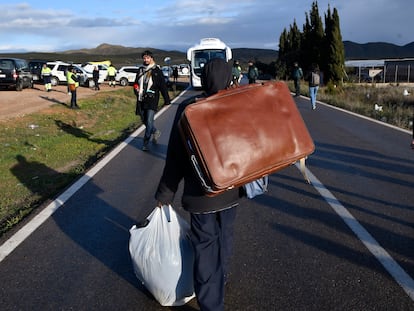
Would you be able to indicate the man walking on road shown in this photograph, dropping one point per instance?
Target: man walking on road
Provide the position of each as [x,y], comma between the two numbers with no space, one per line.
[149,82]
[297,75]
[212,218]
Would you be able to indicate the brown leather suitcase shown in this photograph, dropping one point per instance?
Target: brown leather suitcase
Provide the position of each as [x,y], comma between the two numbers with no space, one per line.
[241,134]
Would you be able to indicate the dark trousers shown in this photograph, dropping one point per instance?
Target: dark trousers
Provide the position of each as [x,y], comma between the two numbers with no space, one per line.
[297,86]
[96,82]
[212,238]
[73,101]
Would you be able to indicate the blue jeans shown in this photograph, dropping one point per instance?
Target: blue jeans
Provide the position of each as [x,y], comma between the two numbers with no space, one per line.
[212,238]
[313,91]
[149,124]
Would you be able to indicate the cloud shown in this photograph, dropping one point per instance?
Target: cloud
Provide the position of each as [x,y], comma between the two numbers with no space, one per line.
[102,22]
[178,24]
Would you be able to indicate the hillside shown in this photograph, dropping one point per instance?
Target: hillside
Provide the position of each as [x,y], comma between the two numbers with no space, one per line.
[122,56]
[377,50]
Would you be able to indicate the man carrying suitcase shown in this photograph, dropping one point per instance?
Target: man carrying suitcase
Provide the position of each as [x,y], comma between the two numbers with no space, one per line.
[212,218]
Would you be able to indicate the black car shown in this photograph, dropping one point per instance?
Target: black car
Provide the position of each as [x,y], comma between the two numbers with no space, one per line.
[14,73]
[35,67]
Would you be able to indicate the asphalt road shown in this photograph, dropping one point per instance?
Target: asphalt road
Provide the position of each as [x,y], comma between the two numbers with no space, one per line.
[345,242]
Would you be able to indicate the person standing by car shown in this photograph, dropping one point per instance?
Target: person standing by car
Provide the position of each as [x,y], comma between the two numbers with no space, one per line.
[252,72]
[149,82]
[212,218]
[236,72]
[73,83]
[46,76]
[111,75]
[95,75]
[175,74]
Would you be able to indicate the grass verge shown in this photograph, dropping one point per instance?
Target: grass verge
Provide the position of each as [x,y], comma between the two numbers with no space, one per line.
[45,152]
[384,103]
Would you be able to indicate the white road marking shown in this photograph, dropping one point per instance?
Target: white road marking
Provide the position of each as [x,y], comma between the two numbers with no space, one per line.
[15,240]
[393,268]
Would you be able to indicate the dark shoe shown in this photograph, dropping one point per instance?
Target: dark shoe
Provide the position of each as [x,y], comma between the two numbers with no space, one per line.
[145,147]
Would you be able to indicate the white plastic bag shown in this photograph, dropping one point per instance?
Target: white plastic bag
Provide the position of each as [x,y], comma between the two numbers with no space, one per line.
[163,257]
[256,187]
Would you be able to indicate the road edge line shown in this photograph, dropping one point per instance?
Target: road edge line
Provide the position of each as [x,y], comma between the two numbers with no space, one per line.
[393,268]
[17,238]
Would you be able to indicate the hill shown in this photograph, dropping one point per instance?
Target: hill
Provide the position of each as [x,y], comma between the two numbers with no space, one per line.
[123,56]
[377,50]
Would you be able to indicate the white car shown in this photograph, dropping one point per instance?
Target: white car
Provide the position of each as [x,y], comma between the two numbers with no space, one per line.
[59,73]
[126,75]
[103,70]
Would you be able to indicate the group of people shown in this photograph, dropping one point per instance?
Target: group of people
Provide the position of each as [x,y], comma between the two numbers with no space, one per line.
[313,77]
[252,73]
[111,76]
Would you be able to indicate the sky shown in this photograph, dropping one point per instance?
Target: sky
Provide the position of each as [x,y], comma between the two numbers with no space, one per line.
[53,26]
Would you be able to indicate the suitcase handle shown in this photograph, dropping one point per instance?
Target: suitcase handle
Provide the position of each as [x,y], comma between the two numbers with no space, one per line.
[200,174]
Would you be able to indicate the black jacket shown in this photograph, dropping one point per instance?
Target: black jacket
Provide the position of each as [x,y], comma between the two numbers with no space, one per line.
[159,85]
[178,166]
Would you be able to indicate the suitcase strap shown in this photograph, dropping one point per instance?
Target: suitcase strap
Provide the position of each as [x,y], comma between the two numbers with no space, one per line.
[200,174]
[303,169]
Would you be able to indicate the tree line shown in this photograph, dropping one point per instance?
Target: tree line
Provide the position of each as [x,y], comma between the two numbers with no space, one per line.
[315,44]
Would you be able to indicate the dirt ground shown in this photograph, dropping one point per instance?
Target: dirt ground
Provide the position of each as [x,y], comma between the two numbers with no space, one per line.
[16,104]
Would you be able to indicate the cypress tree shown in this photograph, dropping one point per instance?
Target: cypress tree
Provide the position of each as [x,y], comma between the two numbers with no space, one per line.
[314,45]
[335,48]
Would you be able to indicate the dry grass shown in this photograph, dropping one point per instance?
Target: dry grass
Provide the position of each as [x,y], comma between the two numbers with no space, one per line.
[396,108]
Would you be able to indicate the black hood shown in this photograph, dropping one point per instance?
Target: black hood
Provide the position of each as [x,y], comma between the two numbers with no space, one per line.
[216,76]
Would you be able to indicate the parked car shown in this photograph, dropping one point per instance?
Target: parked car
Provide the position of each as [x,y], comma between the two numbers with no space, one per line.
[14,73]
[35,67]
[126,75]
[59,70]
